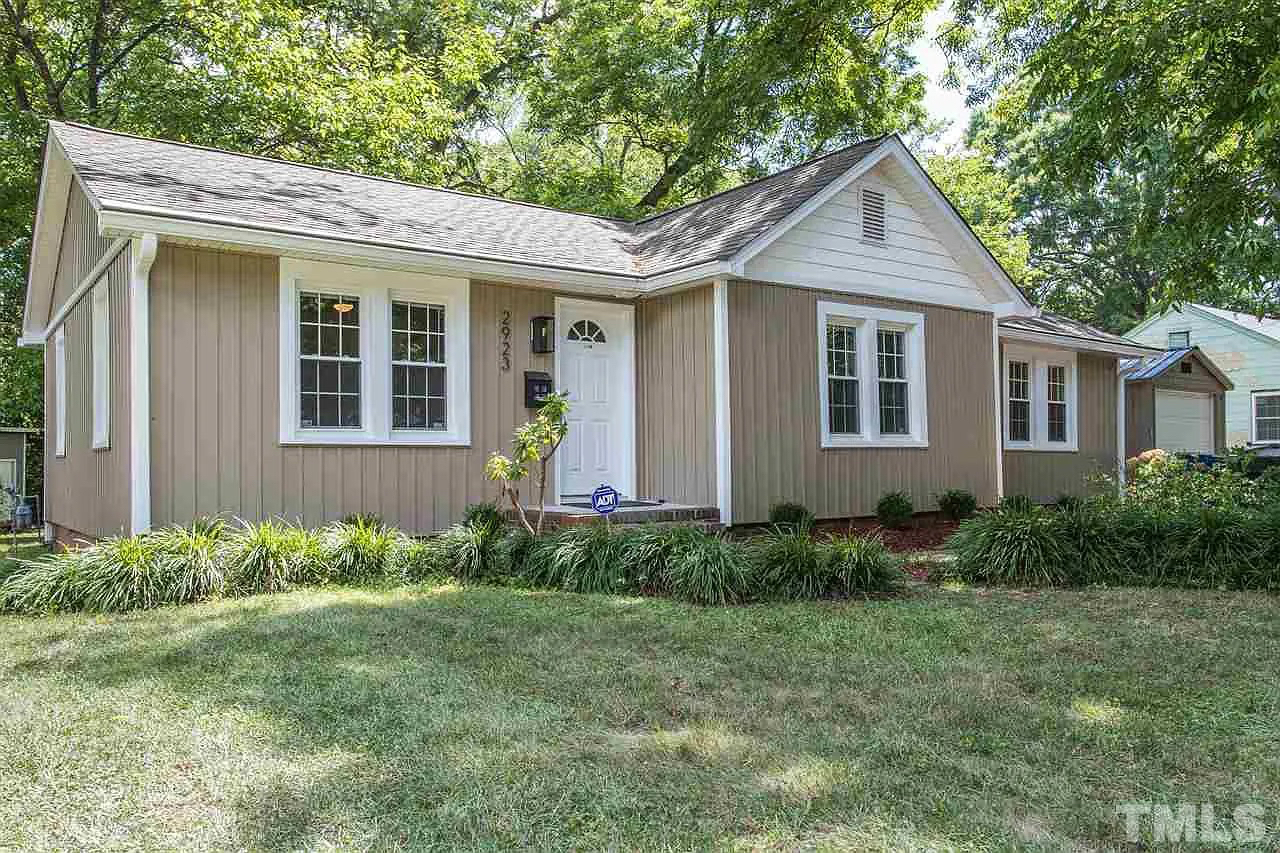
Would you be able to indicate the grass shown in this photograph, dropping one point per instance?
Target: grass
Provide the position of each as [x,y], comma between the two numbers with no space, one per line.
[479,718]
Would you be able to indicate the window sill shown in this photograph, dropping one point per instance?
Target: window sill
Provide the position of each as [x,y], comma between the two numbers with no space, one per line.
[413,439]
[834,443]
[1042,448]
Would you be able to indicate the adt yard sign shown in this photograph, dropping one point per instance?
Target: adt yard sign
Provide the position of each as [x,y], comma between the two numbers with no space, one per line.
[604,499]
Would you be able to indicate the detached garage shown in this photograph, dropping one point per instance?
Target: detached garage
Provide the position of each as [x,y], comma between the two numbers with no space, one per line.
[1175,401]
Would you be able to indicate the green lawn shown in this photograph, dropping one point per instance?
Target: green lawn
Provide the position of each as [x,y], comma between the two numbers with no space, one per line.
[484,718]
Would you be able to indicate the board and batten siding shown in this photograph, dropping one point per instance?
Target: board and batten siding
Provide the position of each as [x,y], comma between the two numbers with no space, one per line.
[1044,475]
[81,247]
[215,401]
[827,249]
[1251,362]
[776,432]
[675,388]
[87,491]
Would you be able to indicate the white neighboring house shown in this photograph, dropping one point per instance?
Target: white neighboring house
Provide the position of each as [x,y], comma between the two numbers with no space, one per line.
[1244,347]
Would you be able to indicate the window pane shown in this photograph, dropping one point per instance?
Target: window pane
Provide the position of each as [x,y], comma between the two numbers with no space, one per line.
[310,341]
[1268,429]
[1057,422]
[417,348]
[308,415]
[327,415]
[418,318]
[1179,340]
[435,414]
[417,381]
[399,346]
[309,309]
[1019,420]
[1269,407]
[891,355]
[435,349]
[349,377]
[437,319]
[351,343]
[329,341]
[307,374]
[399,315]
[350,408]
[435,382]
[399,380]
[893,408]
[328,376]
[352,316]
[417,413]
[842,406]
[399,413]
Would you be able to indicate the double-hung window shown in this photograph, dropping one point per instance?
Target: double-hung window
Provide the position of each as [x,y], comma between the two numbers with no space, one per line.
[871,377]
[1266,417]
[1039,399]
[372,356]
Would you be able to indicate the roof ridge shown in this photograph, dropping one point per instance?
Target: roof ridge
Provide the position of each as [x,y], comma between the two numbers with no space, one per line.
[647,219]
[349,172]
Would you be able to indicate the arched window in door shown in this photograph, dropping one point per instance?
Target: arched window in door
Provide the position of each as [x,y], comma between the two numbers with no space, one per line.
[587,331]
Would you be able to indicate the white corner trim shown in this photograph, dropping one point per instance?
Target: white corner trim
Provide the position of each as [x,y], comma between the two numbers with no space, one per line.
[867,320]
[376,288]
[1121,403]
[998,375]
[143,256]
[724,436]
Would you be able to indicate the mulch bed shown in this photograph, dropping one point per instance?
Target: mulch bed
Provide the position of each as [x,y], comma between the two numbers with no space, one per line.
[926,532]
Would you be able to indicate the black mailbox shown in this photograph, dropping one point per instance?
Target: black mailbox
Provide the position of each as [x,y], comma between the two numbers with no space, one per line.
[537,386]
[542,334]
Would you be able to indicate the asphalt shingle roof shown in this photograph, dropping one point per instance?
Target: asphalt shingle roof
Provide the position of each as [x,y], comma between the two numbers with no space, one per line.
[1056,324]
[127,173]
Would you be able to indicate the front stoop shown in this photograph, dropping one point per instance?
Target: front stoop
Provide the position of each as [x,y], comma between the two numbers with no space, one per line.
[666,513]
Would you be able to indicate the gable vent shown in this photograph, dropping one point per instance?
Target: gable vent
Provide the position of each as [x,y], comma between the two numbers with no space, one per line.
[873,215]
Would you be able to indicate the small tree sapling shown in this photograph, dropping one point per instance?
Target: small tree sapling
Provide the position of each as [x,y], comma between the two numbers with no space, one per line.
[534,443]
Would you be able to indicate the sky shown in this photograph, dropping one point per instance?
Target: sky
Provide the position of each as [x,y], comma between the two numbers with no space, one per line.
[942,103]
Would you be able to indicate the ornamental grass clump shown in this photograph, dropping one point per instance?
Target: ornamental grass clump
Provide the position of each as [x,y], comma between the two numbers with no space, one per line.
[474,549]
[189,556]
[582,558]
[125,573]
[710,569]
[271,556]
[1211,547]
[1012,546]
[1091,551]
[860,565]
[793,565]
[360,551]
[650,551]
[49,584]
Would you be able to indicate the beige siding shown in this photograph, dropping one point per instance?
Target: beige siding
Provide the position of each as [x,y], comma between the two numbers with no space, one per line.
[80,249]
[1044,475]
[215,421]
[1139,417]
[676,397]
[773,382]
[87,491]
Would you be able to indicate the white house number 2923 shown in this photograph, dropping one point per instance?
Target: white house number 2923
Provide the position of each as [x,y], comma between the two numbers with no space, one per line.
[504,341]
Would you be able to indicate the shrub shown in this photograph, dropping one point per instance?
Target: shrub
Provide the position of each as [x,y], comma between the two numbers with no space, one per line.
[271,556]
[419,560]
[787,512]
[1068,502]
[1088,542]
[709,569]
[359,551]
[957,504]
[471,550]
[125,573]
[895,509]
[1212,547]
[582,558]
[1010,546]
[650,551]
[485,513]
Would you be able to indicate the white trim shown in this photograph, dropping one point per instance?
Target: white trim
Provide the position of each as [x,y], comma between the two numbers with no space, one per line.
[687,277]
[724,471]
[81,289]
[100,344]
[1121,404]
[627,313]
[1039,361]
[997,373]
[60,392]
[376,289]
[1066,342]
[867,320]
[53,194]
[143,255]
[1253,416]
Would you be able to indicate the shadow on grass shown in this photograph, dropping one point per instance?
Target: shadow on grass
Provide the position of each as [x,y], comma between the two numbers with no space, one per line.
[491,718]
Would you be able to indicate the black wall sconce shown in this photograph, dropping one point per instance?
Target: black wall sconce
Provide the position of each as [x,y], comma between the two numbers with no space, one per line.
[542,334]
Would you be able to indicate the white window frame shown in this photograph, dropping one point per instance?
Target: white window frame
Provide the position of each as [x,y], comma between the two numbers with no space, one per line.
[1040,360]
[1169,335]
[1254,396]
[376,288]
[100,318]
[866,321]
[60,391]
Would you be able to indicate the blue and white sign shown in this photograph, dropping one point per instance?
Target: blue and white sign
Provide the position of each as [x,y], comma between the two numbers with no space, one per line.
[604,499]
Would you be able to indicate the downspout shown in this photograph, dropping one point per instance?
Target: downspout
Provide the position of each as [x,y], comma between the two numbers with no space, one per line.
[998,386]
[143,255]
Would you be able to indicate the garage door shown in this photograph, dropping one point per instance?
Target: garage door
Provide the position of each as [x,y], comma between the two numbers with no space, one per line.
[1184,422]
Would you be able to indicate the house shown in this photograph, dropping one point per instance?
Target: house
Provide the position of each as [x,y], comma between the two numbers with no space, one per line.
[1245,348]
[1175,401]
[234,334]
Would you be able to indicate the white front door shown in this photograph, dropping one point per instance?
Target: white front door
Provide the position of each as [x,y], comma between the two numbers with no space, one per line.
[1184,422]
[595,364]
